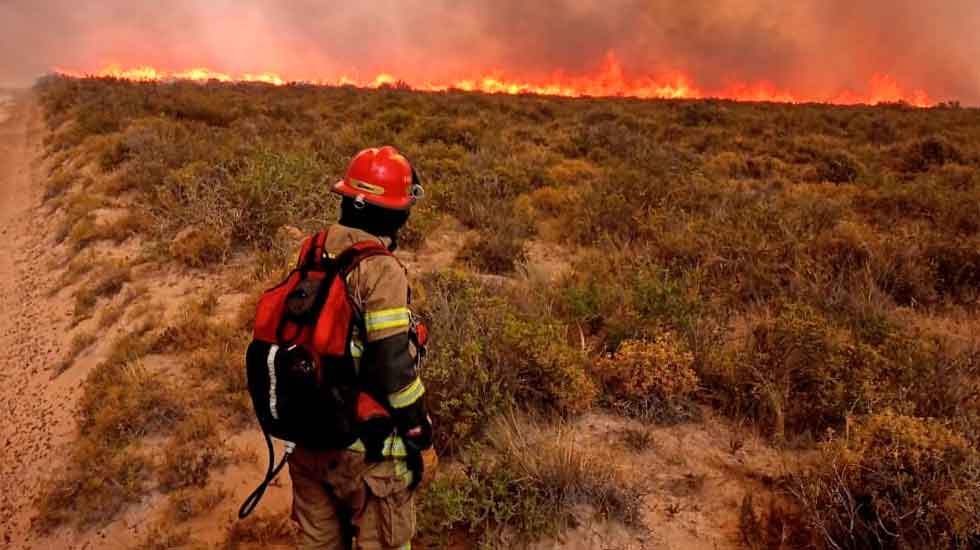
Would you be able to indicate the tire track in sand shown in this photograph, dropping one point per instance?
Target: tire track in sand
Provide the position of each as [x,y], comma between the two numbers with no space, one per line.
[37,423]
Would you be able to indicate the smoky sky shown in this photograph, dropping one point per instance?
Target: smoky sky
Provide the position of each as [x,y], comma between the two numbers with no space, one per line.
[820,46]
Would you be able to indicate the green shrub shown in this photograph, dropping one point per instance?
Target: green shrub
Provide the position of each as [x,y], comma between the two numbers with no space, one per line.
[487,355]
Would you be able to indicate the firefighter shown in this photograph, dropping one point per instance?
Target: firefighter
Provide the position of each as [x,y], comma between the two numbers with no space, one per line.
[353,498]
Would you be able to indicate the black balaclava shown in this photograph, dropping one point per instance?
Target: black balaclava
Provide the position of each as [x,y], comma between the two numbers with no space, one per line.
[378,221]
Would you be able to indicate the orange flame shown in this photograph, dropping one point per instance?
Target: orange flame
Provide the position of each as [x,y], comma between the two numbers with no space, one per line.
[609,81]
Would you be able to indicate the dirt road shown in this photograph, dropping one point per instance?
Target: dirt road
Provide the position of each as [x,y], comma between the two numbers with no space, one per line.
[37,409]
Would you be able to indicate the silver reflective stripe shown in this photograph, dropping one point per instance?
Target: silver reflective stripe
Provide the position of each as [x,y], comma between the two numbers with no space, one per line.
[271,363]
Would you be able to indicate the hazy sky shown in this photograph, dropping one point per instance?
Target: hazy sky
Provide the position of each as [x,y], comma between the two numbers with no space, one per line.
[821,46]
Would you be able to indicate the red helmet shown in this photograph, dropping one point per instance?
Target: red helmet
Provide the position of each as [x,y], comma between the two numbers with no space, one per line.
[380,176]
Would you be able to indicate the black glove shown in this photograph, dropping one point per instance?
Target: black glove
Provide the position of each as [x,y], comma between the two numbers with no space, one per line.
[413,425]
[374,433]
[415,428]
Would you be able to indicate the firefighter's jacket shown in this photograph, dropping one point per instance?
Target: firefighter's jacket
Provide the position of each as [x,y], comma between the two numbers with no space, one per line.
[380,291]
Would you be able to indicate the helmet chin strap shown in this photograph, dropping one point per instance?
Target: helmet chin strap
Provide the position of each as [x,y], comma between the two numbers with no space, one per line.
[417,191]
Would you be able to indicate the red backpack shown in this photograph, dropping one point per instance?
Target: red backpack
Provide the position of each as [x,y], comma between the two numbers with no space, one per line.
[300,370]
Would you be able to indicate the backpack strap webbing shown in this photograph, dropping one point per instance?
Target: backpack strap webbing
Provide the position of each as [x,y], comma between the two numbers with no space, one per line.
[314,253]
[349,259]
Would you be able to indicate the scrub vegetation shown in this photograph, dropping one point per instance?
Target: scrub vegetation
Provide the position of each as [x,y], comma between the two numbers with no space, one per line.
[810,271]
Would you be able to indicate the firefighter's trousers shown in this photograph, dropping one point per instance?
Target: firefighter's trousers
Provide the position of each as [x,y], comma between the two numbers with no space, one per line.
[341,502]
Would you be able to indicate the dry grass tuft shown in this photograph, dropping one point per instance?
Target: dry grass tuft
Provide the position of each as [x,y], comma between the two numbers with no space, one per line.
[164,538]
[194,450]
[79,343]
[262,530]
[527,478]
[185,504]
[106,283]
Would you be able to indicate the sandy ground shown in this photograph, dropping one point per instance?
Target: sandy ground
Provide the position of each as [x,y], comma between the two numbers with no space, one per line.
[38,422]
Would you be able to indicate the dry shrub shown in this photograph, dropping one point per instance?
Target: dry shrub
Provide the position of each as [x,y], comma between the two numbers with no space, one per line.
[199,246]
[923,154]
[425,217]
[800,374]
[901,271]
[648,377]
[493,253]
[777,527]
[570,173]
[845,248]
[895,482]
[836,167]
[933,378]
[957,268]
[729,165]
[553,201]
[500,245]
[638,439]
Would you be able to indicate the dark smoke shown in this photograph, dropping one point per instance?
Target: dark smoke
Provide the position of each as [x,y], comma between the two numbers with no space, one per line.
[820,47]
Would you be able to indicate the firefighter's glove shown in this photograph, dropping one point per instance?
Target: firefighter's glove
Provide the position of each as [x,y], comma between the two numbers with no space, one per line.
[374,434]
[418,442]
[414,425]
[415,429]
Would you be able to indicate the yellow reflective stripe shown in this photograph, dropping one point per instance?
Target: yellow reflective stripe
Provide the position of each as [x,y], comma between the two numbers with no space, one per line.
[407,395]
[402,471]
[356,349]
[387,318]
[394,447]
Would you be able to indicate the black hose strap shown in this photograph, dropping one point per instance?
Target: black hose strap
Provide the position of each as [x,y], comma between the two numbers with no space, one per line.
[253,499]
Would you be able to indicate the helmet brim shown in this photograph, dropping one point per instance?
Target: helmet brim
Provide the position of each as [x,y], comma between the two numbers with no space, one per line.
[391,203]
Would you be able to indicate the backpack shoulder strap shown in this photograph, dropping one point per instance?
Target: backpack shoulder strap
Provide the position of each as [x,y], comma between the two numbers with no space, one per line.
[349,259]
[312,251]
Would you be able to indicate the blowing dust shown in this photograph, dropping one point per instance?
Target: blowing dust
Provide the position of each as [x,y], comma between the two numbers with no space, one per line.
[6,103]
